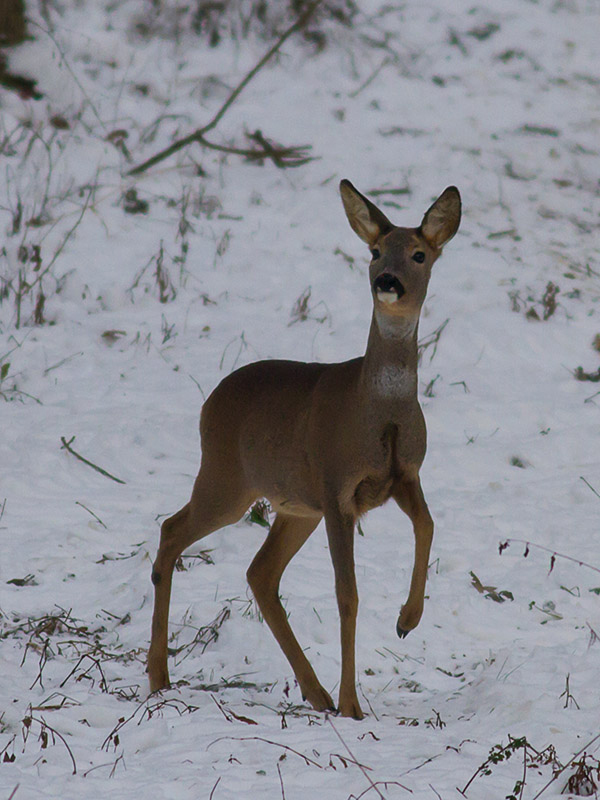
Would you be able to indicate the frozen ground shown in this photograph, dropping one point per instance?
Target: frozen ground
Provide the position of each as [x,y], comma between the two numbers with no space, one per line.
[502,100]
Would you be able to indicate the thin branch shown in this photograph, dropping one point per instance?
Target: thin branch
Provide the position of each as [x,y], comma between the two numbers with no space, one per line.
[44,725]
[553,553]
[387,60]
[589,485]
[70,70]
[281,156]
[372,784]
[67,446]
[298,25]
[281,781]
[64,241]
[198,135]
[385,785]
[95,516]
[360,766]
[306,759]
[432,339]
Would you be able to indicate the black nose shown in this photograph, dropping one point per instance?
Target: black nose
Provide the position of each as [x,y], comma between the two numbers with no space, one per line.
[388,283]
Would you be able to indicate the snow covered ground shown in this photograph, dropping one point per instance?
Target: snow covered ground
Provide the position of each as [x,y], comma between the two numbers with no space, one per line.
[141,314]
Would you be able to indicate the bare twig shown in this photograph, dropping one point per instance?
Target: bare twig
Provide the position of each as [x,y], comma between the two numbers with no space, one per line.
[62,361]
[72,72]
[593,636]
[67,446]
[363,769]
[360,766]
[95,516]
[387,60]
[281,156]
[42,663]
[589,485]
[44,726]
[231,715]
[64,241]
[554,554]
[281,781]
[205,635]
[567,693]
[198,135]
[95,663]
[306,759]
[432,339]
[385,785]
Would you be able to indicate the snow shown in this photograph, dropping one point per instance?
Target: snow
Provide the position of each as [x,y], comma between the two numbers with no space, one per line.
[417,96]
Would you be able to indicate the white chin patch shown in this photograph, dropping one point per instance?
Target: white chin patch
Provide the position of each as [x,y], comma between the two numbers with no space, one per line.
[387,297]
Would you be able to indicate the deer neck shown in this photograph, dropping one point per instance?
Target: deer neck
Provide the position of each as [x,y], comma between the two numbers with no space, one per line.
[389,366]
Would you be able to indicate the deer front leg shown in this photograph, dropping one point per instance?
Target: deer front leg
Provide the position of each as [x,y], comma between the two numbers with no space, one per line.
[340,534]
[409,496]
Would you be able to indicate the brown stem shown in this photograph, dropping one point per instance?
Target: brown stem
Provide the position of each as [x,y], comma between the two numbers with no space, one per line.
[67,446]
[197,135]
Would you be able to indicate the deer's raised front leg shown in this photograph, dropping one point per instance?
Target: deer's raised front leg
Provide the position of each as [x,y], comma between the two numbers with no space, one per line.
[409,496]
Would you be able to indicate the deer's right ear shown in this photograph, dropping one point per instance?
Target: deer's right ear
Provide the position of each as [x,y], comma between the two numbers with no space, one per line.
[365,218]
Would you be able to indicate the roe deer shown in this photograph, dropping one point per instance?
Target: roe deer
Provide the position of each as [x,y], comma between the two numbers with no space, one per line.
[321,440]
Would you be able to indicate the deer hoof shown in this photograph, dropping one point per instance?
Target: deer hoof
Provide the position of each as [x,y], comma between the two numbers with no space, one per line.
[320,700]
[350,708]
[402,633]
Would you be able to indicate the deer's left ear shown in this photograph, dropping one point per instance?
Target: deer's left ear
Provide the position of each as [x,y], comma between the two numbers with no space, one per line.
[441,221]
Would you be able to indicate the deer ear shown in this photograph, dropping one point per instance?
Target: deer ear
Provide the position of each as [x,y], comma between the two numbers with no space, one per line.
[441,221]
[365,218]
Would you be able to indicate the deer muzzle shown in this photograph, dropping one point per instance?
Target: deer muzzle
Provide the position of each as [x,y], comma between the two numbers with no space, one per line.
[388,288]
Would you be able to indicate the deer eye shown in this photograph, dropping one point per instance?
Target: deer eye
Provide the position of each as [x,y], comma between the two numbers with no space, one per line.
[419,257]
[375,253]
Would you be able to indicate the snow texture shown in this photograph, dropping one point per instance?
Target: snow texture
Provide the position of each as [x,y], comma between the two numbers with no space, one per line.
[227,261]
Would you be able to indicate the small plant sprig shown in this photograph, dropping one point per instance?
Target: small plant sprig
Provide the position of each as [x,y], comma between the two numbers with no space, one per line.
[531,757]
[431,341]
[586,778]
[204,635]
[47,735]
[302,310]
[547,302]
[259,514]
[575,761]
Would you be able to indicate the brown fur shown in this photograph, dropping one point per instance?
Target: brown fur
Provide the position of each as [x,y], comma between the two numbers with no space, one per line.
[320,440]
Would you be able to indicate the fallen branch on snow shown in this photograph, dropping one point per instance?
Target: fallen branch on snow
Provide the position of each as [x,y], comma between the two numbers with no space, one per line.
[281,156]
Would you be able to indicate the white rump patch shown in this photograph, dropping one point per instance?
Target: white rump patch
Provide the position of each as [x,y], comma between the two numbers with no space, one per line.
[395,381]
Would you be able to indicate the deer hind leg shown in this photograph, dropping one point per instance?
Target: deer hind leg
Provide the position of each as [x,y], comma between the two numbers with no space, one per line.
[409,496]
[213,505]
[286,537]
